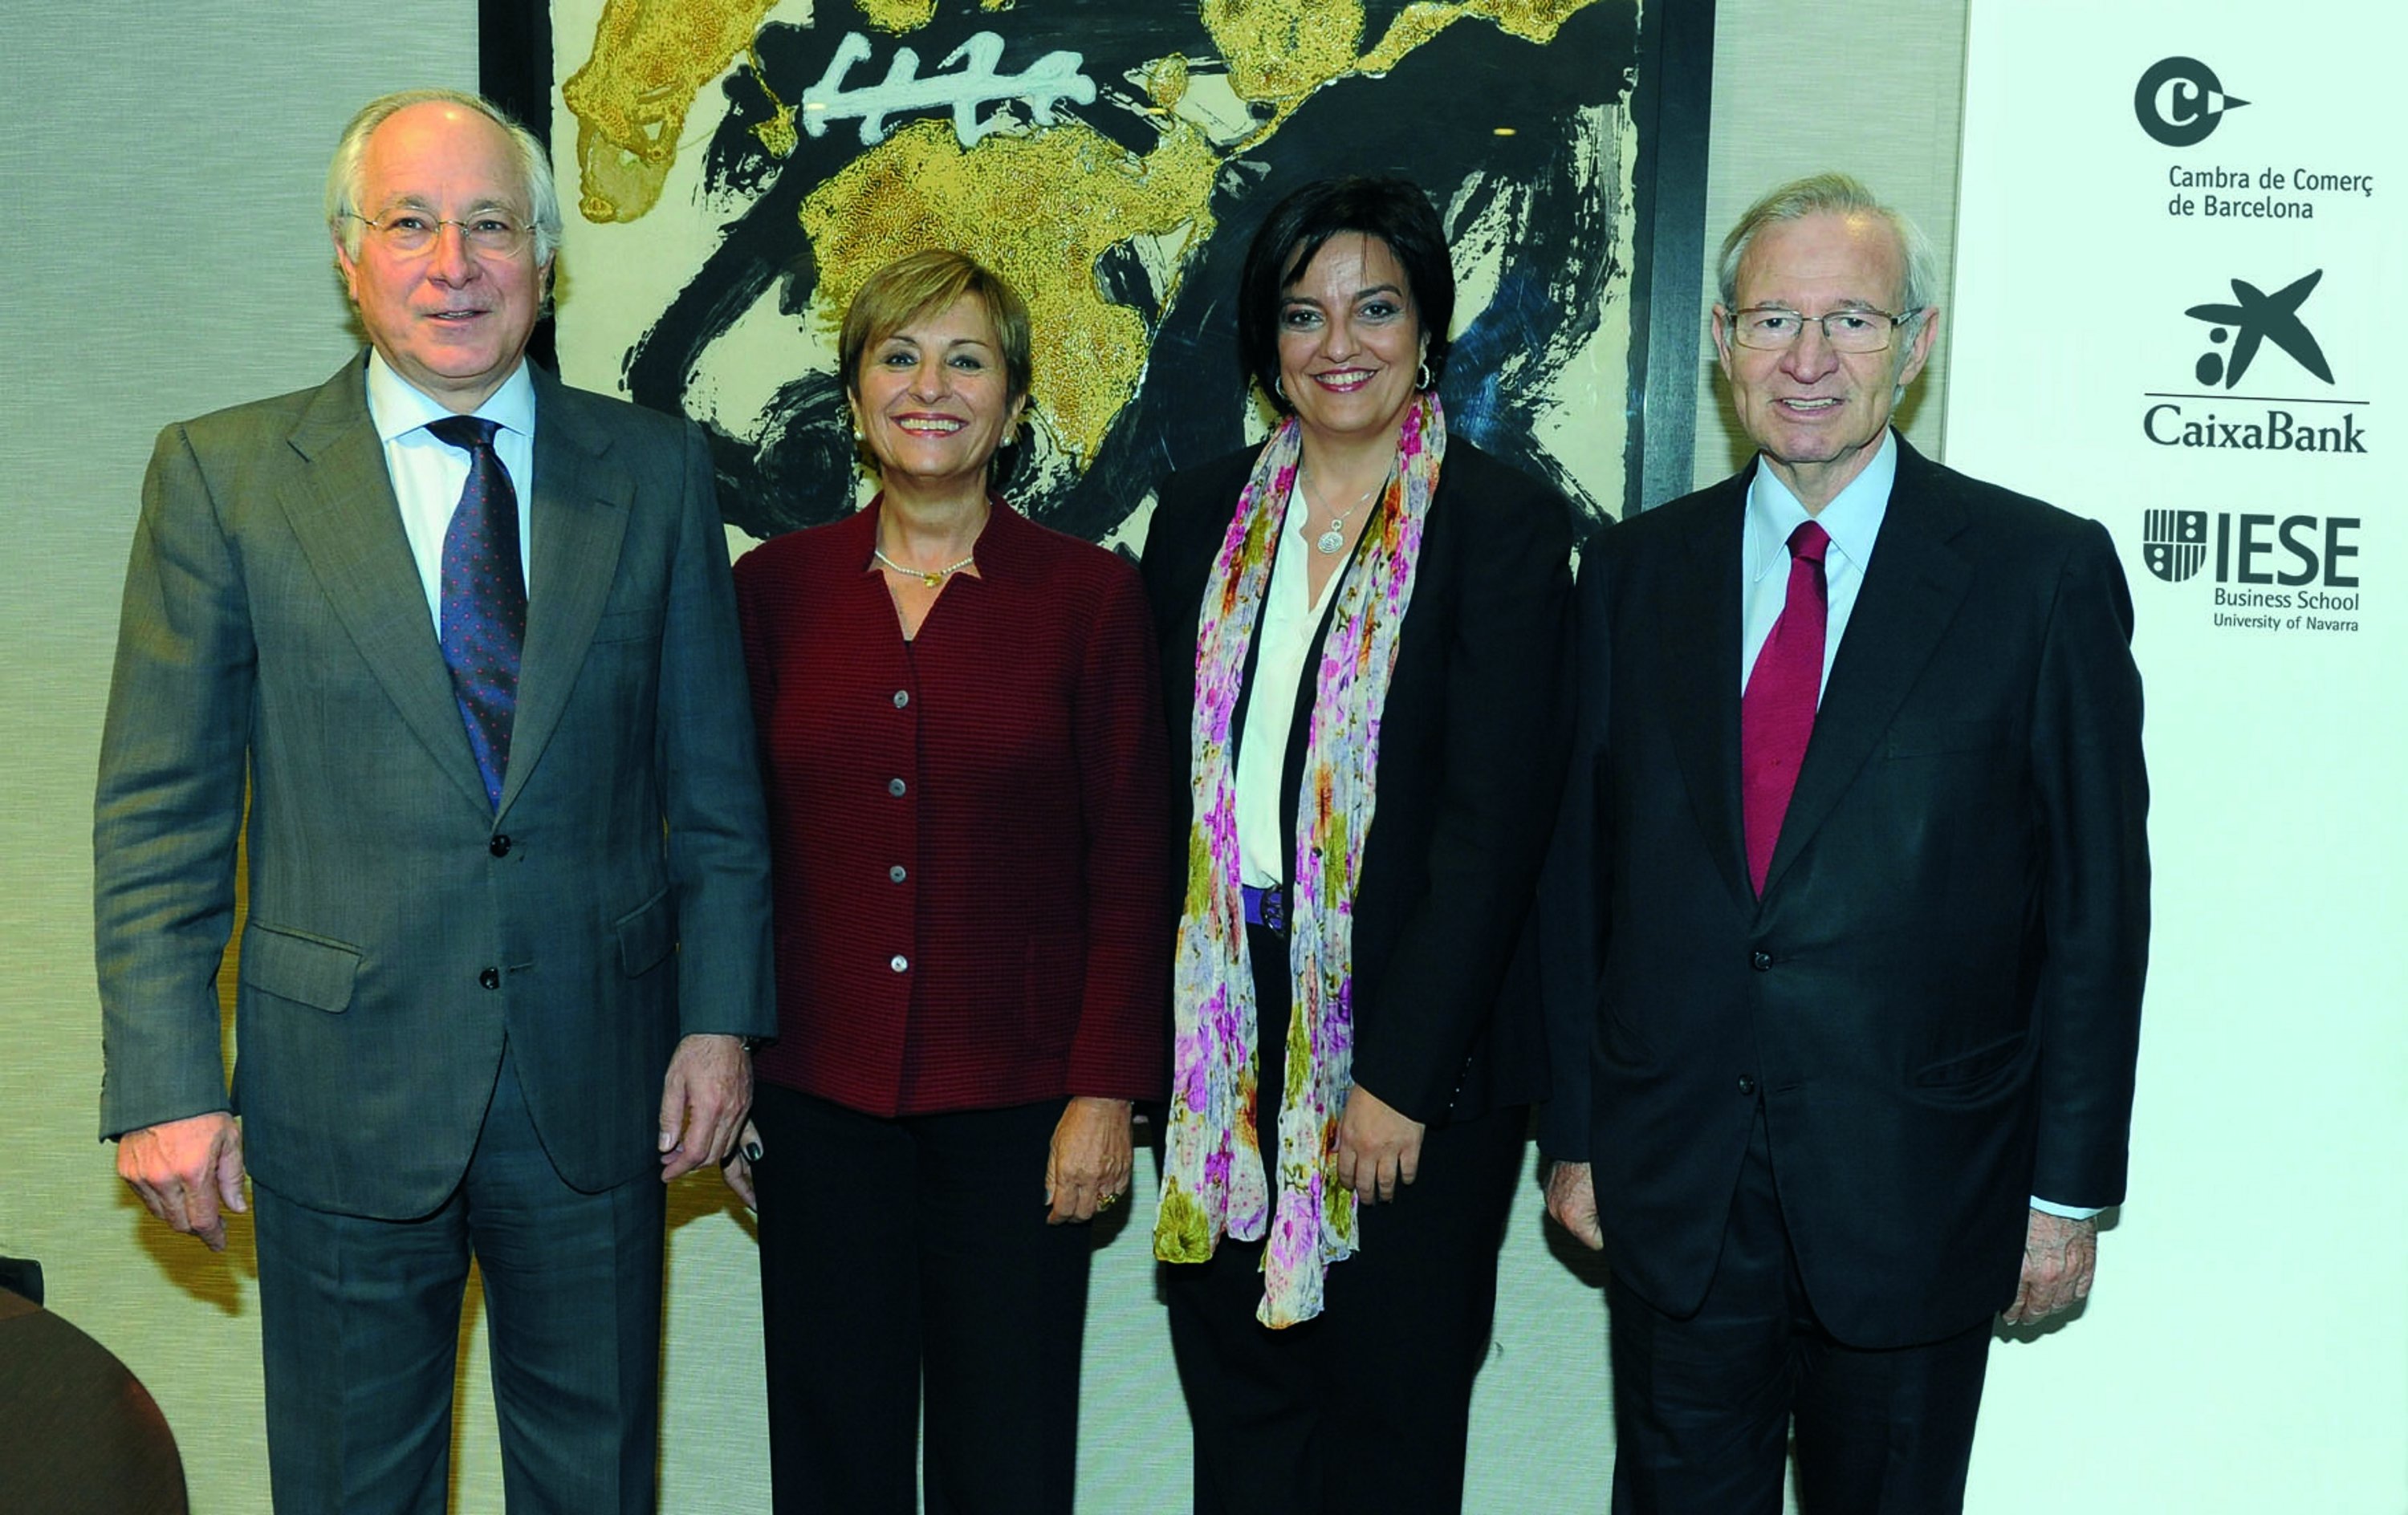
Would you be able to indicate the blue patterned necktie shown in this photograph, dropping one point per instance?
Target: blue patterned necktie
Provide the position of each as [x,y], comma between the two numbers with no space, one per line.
[484,597]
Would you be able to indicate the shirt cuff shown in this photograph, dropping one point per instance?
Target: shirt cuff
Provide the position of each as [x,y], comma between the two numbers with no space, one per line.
[2070,1212]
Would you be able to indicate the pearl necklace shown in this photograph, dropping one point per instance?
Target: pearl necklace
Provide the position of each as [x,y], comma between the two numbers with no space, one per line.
[930,577]
[1333,536]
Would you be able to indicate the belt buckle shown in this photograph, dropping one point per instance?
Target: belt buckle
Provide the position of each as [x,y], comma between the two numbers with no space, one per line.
[1275,910]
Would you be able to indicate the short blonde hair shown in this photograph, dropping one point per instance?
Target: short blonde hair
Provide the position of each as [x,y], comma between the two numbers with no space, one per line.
[921,284]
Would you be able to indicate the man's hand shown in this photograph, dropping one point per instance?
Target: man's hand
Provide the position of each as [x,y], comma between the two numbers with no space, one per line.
[2059,1257]
[1378,1147]
[703,1101]
[185,1171]
[1571,1199]
[1089,1163]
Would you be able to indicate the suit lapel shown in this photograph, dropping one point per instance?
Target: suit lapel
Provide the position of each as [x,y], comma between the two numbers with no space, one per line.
[343,511]
[1911,593]
[1701,646]
[577,523]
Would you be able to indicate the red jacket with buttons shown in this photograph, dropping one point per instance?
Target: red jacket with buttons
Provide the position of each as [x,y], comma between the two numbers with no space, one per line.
[974,904]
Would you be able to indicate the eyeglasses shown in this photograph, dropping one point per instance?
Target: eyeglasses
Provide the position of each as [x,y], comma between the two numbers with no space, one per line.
[1772,328]
[409,232]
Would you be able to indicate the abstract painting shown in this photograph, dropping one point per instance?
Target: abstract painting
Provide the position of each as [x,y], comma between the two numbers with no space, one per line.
[732,169]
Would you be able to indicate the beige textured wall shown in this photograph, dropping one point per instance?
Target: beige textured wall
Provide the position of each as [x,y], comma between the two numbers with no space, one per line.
[162,241]
[1794,95]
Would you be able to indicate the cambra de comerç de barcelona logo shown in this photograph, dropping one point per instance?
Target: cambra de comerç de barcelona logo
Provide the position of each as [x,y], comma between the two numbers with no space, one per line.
[2179,101]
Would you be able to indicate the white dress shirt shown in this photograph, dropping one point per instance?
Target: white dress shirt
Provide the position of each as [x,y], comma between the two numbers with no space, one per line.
[1284,635]
[429,473]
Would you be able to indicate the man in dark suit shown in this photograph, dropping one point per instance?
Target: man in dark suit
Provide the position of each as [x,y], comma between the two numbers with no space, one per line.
[1845,977]
[470,638]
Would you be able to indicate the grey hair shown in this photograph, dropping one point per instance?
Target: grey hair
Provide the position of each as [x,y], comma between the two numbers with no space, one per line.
[1834,195]
[343,172]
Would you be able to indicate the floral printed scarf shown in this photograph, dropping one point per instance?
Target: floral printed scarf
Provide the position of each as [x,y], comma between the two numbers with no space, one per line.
[1213,1180]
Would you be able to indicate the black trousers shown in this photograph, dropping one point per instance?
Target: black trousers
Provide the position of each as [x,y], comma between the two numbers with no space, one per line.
[1704,1406]
[911,1254]
[1367,1406]
[360,1322]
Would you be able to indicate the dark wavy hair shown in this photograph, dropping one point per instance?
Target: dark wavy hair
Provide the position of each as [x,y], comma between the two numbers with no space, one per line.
[1393,209]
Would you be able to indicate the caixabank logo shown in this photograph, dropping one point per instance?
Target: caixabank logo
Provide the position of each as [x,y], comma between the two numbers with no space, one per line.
[2240,332]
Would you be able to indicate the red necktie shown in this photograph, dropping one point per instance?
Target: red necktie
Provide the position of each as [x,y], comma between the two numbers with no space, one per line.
[1776,713]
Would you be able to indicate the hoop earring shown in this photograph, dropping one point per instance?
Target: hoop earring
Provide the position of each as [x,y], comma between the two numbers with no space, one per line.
[1279,385]
[1424,375]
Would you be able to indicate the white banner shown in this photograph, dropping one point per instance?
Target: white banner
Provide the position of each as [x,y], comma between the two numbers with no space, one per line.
[2180,309]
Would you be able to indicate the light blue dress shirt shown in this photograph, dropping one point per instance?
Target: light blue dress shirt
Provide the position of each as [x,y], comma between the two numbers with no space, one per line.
[428,473]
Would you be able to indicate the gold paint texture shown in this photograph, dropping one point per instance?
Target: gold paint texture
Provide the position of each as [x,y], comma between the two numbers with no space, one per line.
[898,16]
[1165,80]
[1415,25]
[777,135]
[1538,21]
[651,58]
[1040,210]
[1285,50]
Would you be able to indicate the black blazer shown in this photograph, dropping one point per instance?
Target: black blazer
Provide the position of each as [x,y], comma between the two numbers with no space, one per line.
[1937,999]
[1472,745]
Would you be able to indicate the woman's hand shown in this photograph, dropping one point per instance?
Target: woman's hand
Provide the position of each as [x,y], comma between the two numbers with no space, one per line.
[1088,1166]
[737,1169]
[1378,1147]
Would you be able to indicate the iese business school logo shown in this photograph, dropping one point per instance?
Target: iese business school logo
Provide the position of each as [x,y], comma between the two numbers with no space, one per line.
[2180,100]
[2272,573]
[2252,548]
[2251,322]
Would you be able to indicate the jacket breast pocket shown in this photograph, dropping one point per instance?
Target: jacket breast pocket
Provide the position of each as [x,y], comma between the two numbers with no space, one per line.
[1932,738]
[638,623]
[316,971]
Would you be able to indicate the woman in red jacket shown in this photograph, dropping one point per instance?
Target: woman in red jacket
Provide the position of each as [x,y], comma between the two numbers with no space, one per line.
[962,736]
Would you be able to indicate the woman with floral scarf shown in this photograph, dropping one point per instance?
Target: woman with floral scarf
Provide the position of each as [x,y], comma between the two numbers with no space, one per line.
[1364,627]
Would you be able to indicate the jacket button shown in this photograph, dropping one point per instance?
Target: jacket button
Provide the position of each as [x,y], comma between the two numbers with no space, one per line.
[1761,962]
[898,963]
[902,698]
[499,846]
[895,874]
[491,977]
[895,787]
[1747,1084]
